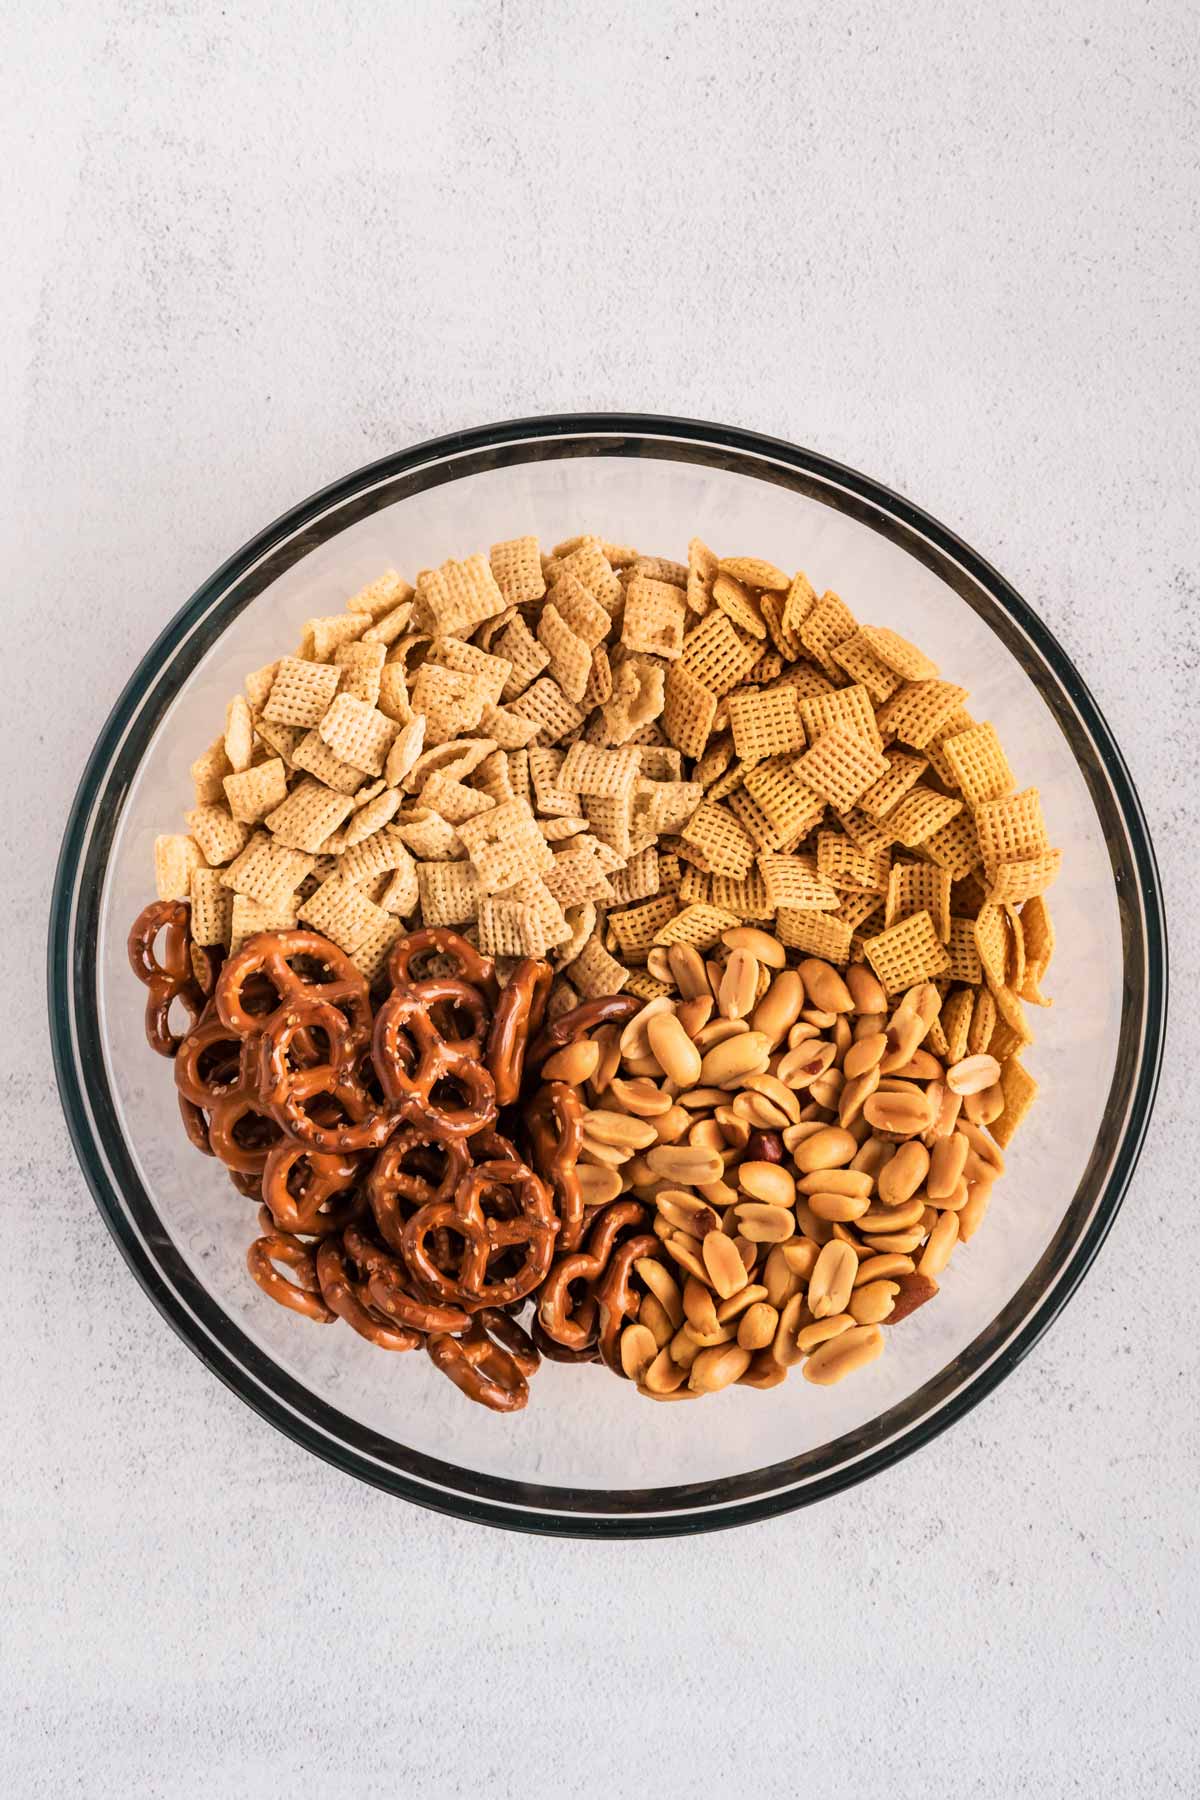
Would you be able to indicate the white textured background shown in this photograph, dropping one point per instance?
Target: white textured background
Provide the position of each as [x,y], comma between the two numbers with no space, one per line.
[248,248]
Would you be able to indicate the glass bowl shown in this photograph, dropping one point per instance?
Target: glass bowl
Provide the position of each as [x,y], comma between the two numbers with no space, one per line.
[588,1456]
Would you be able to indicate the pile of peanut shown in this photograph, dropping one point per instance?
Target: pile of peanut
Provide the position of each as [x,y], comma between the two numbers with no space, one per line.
[810,1161]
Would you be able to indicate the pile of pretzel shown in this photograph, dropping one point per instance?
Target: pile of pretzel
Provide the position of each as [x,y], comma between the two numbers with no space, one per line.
[372,1126]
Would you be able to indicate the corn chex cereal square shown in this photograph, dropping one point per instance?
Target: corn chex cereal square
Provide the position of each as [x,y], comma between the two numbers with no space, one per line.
[698,925]
[301,691]
[636,927]
[908,662]
[343,913]
[717,654]
[594,971]
[654,618]
[453,799]
[964,957]
[588,770]
[448,892]
[917,711]
[581,610]
[738,604]
[376,855]
[310,814]
[766,723]
[862,665]
[322,637]
[919,887]
[955,846]
[717,835]
[255,792]
[638,880]
[695,886]
[358,734]
[458,596]
[746,897]
[791,808]
[1027,879]
[688,710]
[1020,1091]
[518,646]
[902,773]
[506,729]
[175,858]
[505,846]
[392,698]
[451,700]
[391,625]
[1011,829]
[608,817]
[371,815]
[220,836]
[551,793]
[380,596]
[589,565]
[570,657]
[840,767]
[576,875]
[545,703]
[785,641]
[980,767]
[849,707]
[360,665]
[826,625]
[908,953]
[922,811]
[267,871]
[814,933]
[517,570]
[212,907]
[794,881]
[486,673]
[249,917]
[843,864]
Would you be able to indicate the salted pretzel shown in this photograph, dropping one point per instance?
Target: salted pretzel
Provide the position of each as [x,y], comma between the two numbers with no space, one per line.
[299,1186]
[437,940]
[262,970]
[395,1184]
[527,1225]
[350,1299]
[414,1060]
[169,977]
[216,1075]
[392,1292]
[554,1118]
[605,1009]
[518,1017]
[617,1300]
[574,1322]
[302,1295]
[493,1373]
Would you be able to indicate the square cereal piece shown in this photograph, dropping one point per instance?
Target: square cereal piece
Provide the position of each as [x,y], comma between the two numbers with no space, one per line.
[257,686]
[849,707]
[794,882]
[551,792]
[908,953]
[638,697]
[518,775]
[212,908]
[902,773]
[591,566]
[239,734]
[688,710]
[955,846]
[313,755]
[402,894]
[642,983]
[518,646]
[372,816]
[599,689]
[456,760]
[844,865]
[450,700]
[343,913]
[209,772]
[810,684]
[505,846]
[695,887]
[702,570]
[718,655]
[492,778]
[267,871]
[746,897]
[358,734]
[448,893]
[581,610]
[1020,1091]
[487,672]
[393,697]
[916,712]
[1015,882]
[282,740]
[635,927]
[898,654]
[922,811]
[754,572]
[555,716]
[826,625]
[220,836]
[935,749]
[791,808]
[991,943]
[371,955]
[608,817]
[249,917]
[257,791]
[453,799]
[739,605]
[517,570]
[594,971]
[964,957]
[638,880]
[507,729]
[654,618]
[577,877]
[361,665]
[570,658]
[660,763]
[919,887]
[310,814]
[407,748]
[376,855]
[980,767]
[860,662]
[766,723]
[392,625]
[176,857]
[502,930]
[380,596]
[754,821]
[723,843]
[840,767]
[859,906]
[321,637]
[588,770]
[301,691]
[699,925]
[458,596]
[955,1020]
[544,925]
[786,642]
[801,598]
[1011,829]
[814,933]
[665,806]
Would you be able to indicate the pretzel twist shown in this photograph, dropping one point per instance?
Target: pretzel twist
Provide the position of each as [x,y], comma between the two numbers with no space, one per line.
[169,977]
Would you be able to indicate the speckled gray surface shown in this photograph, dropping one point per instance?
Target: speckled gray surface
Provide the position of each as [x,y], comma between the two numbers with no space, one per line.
[249,248]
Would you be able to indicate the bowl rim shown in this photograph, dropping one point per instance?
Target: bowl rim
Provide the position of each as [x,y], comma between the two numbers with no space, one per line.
[68,950]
